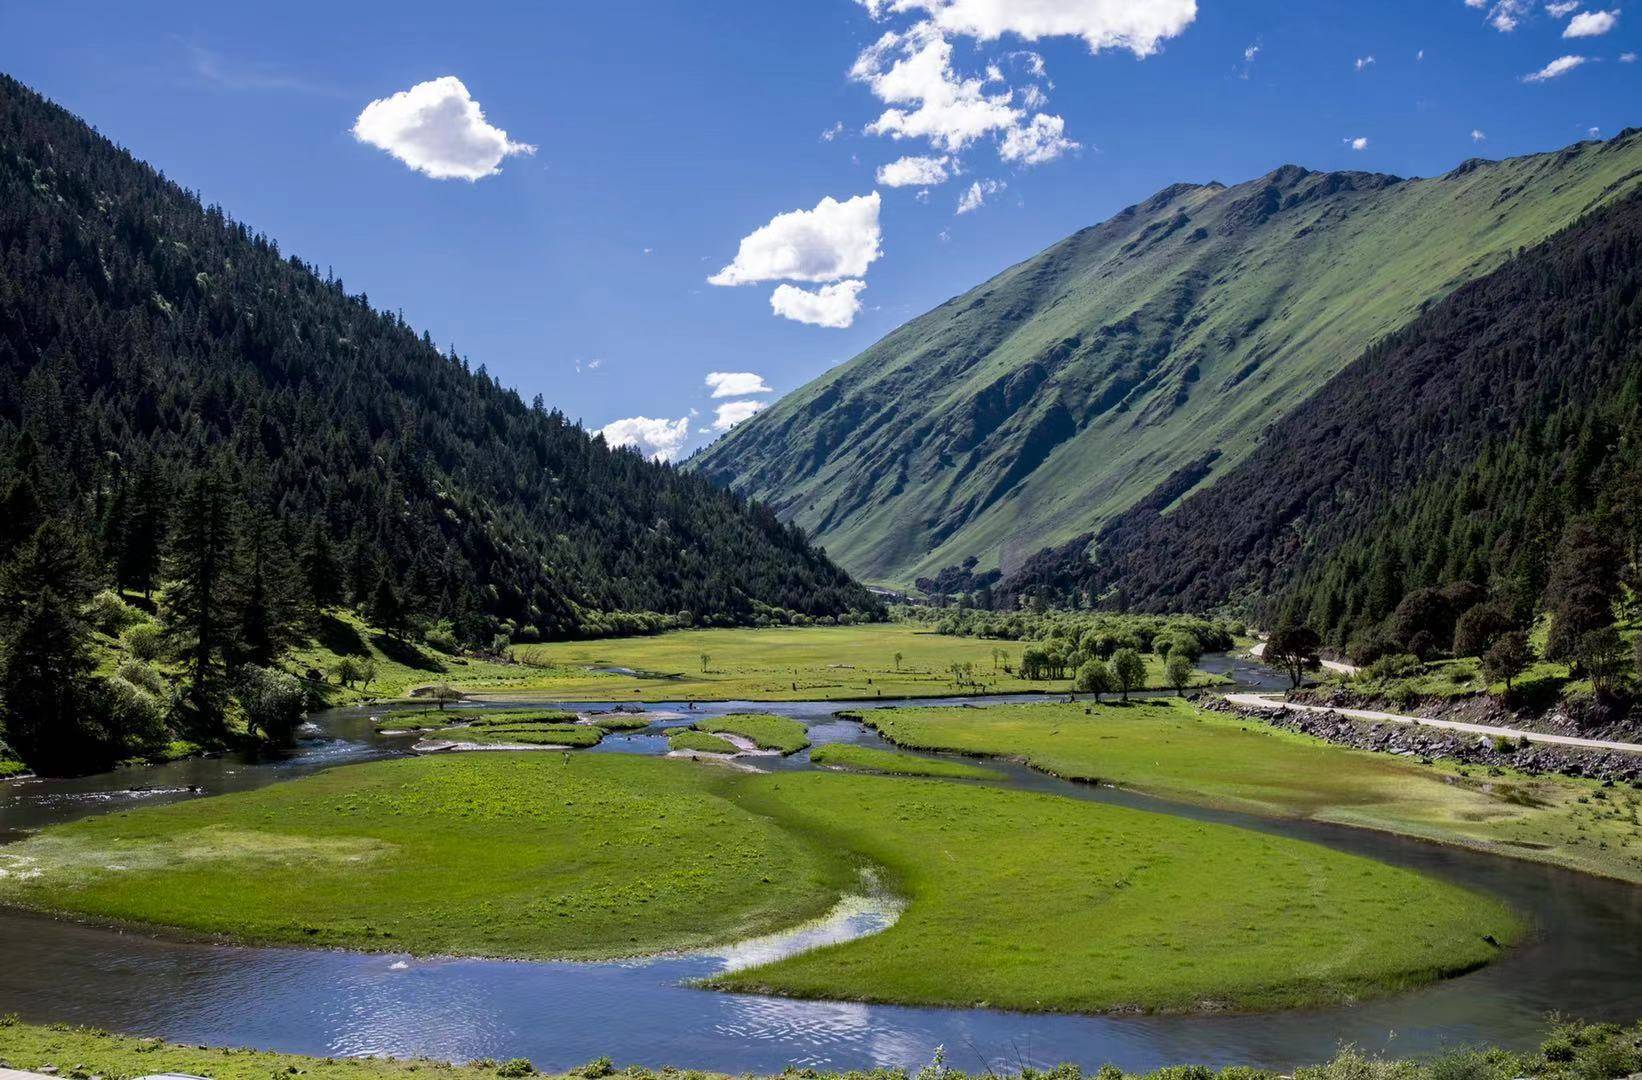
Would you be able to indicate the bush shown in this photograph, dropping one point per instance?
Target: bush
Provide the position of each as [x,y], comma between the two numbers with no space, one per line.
[515,1067]
[136,716]
[1370,646]
[143,676]
[1396,666]
[272,700]
[144,641]
[442,636]
[111,615]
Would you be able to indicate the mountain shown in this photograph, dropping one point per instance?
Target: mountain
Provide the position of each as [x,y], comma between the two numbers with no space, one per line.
[1143,355]
[147,340]
[1465,448]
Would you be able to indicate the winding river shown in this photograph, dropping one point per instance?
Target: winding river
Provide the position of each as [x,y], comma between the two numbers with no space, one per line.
[1585,959]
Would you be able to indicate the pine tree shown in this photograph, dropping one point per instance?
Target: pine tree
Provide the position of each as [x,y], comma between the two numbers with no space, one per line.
[198,610]
[322,581]
[137,559]
[264,589]
[47,706]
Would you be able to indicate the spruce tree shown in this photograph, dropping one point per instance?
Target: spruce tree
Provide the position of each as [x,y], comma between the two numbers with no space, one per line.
[198,609]
[264,590]
[320,570]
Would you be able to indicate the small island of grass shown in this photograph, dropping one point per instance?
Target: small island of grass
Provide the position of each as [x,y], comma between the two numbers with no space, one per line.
[868,759]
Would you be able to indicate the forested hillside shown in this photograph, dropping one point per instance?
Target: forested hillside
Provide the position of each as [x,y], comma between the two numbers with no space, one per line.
[1488,455]
[1159,344]
[187,412]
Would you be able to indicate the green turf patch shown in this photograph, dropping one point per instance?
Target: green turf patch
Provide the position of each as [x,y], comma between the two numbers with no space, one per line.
[517,855]
[622,721]
[568,735]
[699,741]
[868,759]
[430,719]
[1036,902]
[9,768]
[768,732]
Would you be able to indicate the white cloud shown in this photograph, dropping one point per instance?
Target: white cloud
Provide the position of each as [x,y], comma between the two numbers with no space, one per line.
[835,240]
[438,129]
[1503,15]
[833,132]
[912,73]
[1627,58]
[1042,140]
[976,196]
[731,413]
[1250,53]
[1562,7]
[1419,56]
[1358,143]
[1591,24]
[915,172]
[1137,25]
[736,383]
[1364,62]
[1593,132]
[660,440]
[1560,66]
[833,306]
[1478,136]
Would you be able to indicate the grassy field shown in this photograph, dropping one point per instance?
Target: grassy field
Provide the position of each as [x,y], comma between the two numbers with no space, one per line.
[570,736]
[1036,902]
[699,741]
[786,664]
[1572,1052]
[866,759]
[768,732]
[1175,751]
[1022,900]
[485,854]
[433,719]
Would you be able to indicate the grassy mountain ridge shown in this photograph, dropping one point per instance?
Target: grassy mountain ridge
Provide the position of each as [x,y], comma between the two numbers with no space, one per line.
[1053,397]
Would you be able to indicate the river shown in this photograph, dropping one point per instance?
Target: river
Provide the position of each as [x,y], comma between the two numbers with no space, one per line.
[1583,959]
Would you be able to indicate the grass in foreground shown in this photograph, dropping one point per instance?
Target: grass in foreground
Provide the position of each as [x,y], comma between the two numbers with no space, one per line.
[1026,901]
[1021,900]
[786,664]
[1175,751]
[700,742]
[521,855]
[768,732]
[869,759]
[1573,1052]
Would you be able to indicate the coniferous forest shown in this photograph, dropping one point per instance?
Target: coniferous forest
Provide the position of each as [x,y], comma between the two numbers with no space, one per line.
[194,418]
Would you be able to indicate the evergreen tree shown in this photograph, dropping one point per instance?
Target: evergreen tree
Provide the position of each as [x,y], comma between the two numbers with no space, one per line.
[197,608]
[47,704]
[387,610]
[321,572]
[264,589]
[1584,582]
[137,556]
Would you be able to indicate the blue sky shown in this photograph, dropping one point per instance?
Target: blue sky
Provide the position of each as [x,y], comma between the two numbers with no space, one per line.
[665,133]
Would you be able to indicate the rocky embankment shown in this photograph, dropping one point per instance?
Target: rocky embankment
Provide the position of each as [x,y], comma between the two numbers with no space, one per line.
[1586,717]
[1426,743]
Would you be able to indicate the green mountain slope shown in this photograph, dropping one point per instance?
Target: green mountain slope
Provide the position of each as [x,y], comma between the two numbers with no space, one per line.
[1053,397]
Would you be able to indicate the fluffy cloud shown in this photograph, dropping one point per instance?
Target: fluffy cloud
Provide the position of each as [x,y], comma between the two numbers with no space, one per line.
[731,413]
[1627,58]
[835,240]
[1359,143]
[1478,136]
[1560,66]
[833,306]
[1503,15]
[1250,53]
[438,129]
[1591,24]
[1562,7]
[736,383]
[976,196]
[1041,140]
[915,172]
[660,440]
[912,73]
[1137,25]
[1364,62]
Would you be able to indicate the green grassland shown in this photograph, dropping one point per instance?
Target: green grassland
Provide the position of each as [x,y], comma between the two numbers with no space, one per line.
[513,855]
[1175,751]
[1037,902]
[569,736]
[1022,900]
[867,759]
[429,719]
[831,663]
[768,732]
[700,742]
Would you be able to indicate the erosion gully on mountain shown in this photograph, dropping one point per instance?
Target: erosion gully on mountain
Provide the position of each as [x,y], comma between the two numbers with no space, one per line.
[1582,959]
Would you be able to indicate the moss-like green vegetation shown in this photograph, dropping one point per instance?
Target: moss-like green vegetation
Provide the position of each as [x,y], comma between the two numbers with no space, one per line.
[768,732]
[831,663]
[570,736]
[10,767]
[486,854]
[431,719]
[1175,751]
[868,759]
[700,741]
[617,721]
[1029,901]
[1573,1052]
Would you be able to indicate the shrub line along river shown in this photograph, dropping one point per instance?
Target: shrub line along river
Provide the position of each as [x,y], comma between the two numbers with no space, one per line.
[1584,958]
